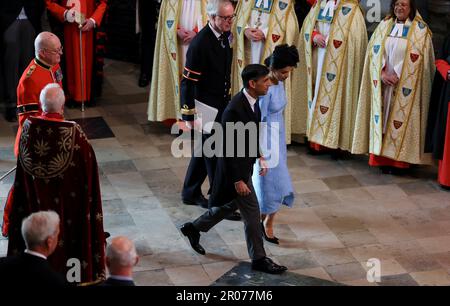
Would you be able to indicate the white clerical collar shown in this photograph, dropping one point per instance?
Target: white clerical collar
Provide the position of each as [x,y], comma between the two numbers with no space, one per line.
[35,254]
[214,31]
[250,99]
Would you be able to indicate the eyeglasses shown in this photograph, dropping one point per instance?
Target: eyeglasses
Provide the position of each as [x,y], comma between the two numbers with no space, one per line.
[59,50]
[227,18]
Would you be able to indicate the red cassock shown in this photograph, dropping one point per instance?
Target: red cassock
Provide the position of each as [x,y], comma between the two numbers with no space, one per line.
[444,165]
[94,9]
[57,170]
[33,80]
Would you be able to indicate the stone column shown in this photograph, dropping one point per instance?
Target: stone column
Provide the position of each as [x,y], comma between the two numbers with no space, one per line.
[439,13]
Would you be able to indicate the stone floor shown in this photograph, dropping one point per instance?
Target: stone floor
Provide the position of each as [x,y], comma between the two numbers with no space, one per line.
[345,212]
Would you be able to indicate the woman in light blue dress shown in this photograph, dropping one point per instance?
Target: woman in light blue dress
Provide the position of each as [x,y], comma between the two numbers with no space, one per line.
[274,189]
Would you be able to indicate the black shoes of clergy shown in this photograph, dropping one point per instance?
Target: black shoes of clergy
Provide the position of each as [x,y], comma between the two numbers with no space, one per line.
[189,230]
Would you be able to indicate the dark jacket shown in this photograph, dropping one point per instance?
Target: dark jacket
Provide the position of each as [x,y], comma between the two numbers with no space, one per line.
[232,168]
[207,74]
[111,282]
[27,270]
[10,10]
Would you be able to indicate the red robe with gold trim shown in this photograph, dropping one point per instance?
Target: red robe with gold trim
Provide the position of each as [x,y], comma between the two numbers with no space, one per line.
[57,170]
[33,80]
[91,9]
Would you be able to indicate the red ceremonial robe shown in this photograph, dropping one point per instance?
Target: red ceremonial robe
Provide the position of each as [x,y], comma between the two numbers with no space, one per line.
[57,170]
[438,127]
[33,80]
[94,9]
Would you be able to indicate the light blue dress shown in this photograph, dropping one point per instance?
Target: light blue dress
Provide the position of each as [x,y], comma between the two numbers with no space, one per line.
[275,188]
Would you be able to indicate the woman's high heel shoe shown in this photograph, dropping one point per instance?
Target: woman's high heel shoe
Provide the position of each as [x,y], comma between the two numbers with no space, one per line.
[267,238]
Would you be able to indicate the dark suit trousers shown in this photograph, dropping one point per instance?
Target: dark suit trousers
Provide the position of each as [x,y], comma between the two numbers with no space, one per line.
[249,208]
[18,42]
[199,168]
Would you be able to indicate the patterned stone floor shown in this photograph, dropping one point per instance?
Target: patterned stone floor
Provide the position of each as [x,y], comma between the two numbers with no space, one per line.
[345,212]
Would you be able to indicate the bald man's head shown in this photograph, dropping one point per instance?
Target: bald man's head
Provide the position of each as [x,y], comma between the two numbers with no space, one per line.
[48,48]
[120,254]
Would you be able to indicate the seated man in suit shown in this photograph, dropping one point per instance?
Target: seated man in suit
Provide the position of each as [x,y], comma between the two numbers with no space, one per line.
[121,257]
[40,232]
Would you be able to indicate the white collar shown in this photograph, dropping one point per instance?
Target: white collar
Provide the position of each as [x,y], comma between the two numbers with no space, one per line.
[33,253]
[214,31]
[250,99]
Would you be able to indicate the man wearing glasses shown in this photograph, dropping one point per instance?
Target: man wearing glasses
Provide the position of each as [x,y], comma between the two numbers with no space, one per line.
[42,70]
[206,78]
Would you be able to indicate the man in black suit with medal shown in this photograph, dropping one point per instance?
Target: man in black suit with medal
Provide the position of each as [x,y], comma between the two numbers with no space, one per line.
[233,186]
[206,78]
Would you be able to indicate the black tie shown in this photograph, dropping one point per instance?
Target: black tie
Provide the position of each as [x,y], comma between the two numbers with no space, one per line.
[257,110]
[223,40]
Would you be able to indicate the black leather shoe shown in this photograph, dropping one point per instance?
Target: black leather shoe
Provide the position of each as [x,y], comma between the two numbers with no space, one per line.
[267,238]
[200,201]
[193,235]
[266,265]
[144,80]
[235,216]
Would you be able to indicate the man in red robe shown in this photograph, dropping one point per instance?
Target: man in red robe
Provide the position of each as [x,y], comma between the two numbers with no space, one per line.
[42,70]
[57,170]
[68,12]
[438,130]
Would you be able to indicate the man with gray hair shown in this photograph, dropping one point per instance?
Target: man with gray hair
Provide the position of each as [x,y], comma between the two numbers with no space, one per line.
[57,169]
[121,257]
[40,232]
[206,78]
[42,70]
[52,99]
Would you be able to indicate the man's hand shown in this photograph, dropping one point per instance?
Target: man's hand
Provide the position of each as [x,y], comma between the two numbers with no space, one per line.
[389,79]
[242,188]
[194,125]
[87,25]
[320,40]
[263,166]
[254,34]
[189,36]
[182,33]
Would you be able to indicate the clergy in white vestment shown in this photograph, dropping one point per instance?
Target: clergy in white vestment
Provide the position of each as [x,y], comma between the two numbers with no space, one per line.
[395,91]
[333,44]
[260,26]
[179,22]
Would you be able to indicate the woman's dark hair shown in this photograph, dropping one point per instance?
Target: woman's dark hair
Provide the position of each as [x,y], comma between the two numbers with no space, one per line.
[253,72]
[412,5]
[283,56]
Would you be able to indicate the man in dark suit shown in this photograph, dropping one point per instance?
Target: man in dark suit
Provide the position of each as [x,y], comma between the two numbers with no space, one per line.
[20,22]
[206,78]
[121,257]
[40,232]
[233,181]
